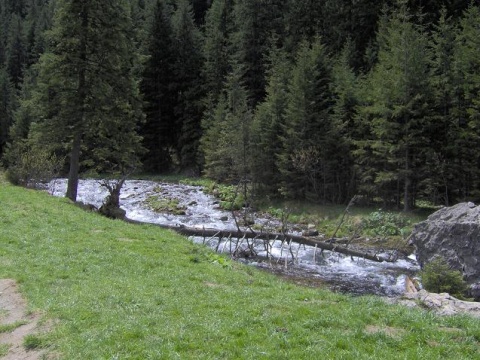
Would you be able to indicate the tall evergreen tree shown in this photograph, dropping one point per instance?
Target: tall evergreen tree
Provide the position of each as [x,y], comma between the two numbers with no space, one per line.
[16,51]
[268,123]
[400,101]
[304,161]
[226,141]
[255,24]
[345,88]
[159,130]
[467,62]
[7,95]
[444,156]
[188,86]
[216,51]
[86,88]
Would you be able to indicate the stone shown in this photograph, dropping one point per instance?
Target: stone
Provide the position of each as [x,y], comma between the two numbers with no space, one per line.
[442,304]
[453,233]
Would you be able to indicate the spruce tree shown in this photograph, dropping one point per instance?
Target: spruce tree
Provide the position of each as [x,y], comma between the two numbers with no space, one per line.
[444,157]
[226,142]
[16,51]
[268,123]
[86,88]
[305,160]
[159,130]
[397,111]
[467,62]
[7,98]
[188,86]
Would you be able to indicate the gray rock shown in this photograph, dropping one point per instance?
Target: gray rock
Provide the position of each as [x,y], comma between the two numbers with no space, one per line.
[453,233]
[442,304]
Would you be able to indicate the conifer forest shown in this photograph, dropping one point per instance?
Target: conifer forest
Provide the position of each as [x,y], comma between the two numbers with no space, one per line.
[301,99]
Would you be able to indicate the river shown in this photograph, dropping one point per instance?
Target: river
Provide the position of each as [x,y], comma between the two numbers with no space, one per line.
[300,263]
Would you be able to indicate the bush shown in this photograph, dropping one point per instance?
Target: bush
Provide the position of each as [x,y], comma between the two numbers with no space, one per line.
[383,223]
[438,277]
[29,165]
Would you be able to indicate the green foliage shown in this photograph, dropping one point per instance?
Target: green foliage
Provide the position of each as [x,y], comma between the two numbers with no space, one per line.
[188,85]
[4,349]
[31,165]
[159,130]
[32,342]
[385,224]
[164,205]
[229,195]
[438,277]
[227,134]
[396,111]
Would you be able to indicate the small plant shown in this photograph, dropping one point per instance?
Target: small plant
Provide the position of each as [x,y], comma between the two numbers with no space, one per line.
[31,342]
[438,277]
[166,205]
[385,224]
[228,195]
[4,349]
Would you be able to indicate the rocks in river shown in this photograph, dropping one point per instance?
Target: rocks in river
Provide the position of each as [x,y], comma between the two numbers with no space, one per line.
[453,233]
[442,304]
[310,231]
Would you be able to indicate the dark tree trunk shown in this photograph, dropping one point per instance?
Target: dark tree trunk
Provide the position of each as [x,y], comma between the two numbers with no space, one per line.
[72,185]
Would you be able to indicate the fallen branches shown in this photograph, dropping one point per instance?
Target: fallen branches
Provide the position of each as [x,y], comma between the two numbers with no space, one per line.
[270,236]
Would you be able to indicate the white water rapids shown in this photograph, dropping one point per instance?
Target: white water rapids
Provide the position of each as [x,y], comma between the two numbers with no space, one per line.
[341,273]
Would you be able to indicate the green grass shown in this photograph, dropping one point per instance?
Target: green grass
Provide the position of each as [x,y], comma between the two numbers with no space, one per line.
[4,349]
[120,291]
[5,328]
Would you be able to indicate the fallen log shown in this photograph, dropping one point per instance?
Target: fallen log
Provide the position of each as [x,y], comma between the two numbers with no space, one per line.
[268,236]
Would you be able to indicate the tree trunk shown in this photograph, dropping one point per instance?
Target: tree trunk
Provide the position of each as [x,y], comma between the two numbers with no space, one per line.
[270,236]
[72,185]
[408,182]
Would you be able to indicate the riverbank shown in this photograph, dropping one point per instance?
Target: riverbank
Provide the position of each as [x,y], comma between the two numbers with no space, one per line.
[110,289]
[351,269]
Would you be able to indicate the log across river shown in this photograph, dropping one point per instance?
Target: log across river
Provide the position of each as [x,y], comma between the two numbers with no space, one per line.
[271,236]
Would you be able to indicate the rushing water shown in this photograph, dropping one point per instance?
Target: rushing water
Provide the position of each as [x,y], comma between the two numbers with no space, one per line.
[303,263]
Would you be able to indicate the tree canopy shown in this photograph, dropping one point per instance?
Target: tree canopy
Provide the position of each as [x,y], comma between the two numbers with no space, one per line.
[319,100]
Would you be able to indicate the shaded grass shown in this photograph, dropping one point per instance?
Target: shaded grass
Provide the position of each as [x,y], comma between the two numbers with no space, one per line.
[123,291]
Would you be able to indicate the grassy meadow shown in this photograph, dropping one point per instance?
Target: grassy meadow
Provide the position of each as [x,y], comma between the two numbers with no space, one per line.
[114,290]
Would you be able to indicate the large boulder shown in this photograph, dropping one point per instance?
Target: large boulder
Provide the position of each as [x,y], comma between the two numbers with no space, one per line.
[453,233]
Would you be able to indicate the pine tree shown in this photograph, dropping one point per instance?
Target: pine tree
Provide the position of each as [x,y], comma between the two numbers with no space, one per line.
[304,161]
[255,24]
[159,130]
[267,125]
[226,141]
[216,50]
[467,62]
[345,88]
[16,51]
[86,88]
[7,98]
[397,111]
[444,158]
[188,86]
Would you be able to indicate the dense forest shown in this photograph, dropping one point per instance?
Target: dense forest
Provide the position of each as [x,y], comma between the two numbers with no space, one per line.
[304,99]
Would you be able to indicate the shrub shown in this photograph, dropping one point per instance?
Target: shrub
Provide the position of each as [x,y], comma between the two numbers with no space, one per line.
[29,165]
[438,277]
[383,223]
